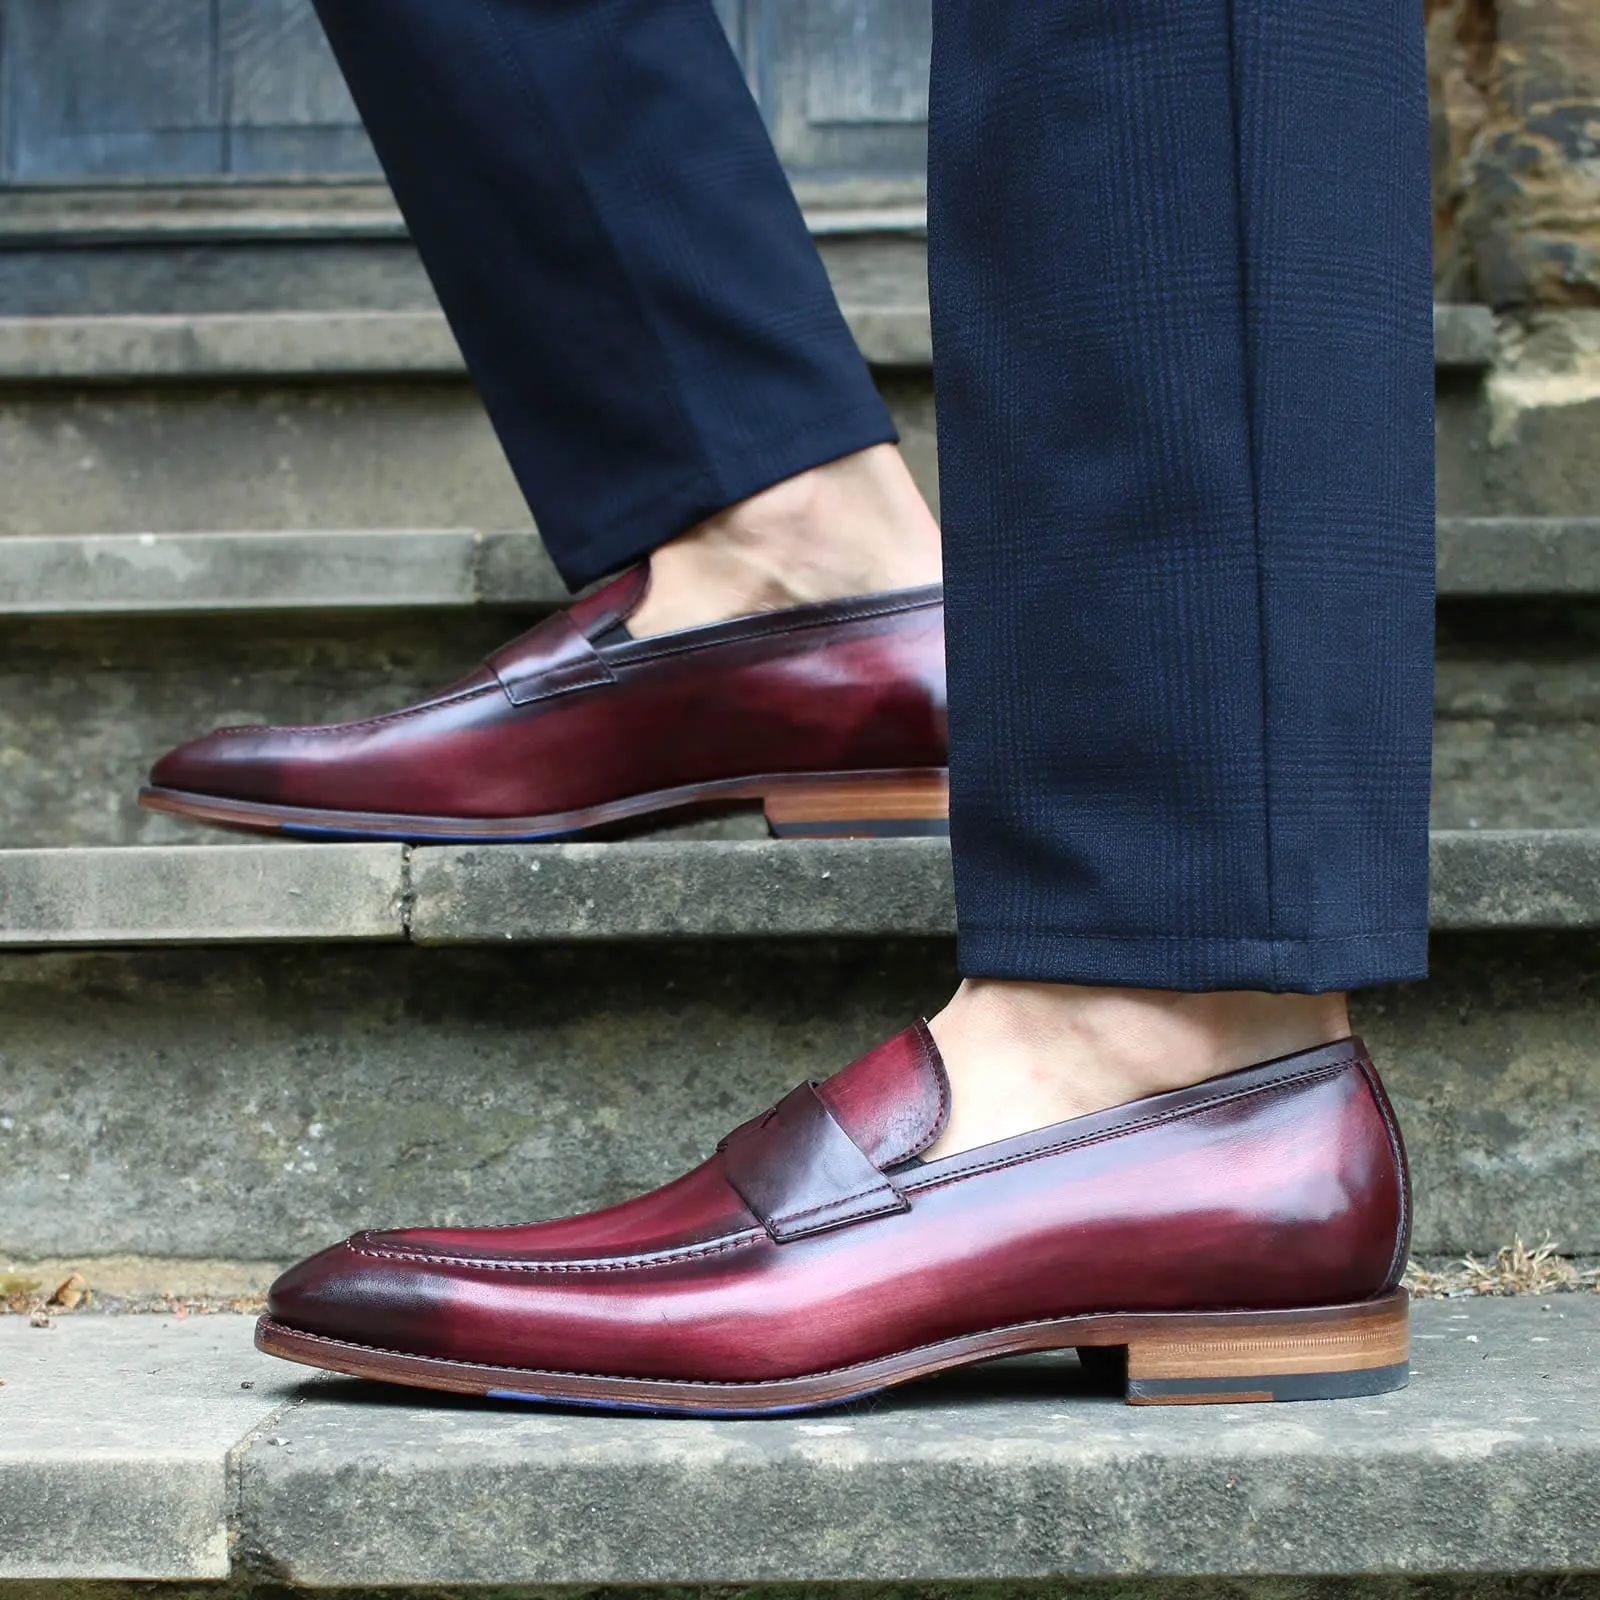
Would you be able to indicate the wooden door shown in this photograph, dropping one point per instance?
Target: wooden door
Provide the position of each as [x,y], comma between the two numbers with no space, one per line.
[169,89]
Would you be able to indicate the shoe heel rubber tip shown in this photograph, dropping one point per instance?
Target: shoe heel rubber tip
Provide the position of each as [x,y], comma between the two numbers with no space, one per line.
[1235,1360]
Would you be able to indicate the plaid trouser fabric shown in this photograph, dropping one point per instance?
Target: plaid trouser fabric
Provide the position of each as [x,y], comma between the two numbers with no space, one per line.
[1184,367]
[596,200]
[1180,270]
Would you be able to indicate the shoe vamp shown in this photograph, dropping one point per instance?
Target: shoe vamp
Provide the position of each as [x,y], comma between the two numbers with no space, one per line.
[988,1253]
[478,756]
[695,1209]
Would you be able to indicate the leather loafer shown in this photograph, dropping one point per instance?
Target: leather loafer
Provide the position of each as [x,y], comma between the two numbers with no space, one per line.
[830,717]
[1239,1240]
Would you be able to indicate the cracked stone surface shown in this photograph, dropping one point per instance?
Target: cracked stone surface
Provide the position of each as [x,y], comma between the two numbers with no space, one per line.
[1488,1462]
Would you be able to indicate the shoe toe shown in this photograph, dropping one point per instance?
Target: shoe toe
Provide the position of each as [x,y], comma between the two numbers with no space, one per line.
[355,1294]
[237,763]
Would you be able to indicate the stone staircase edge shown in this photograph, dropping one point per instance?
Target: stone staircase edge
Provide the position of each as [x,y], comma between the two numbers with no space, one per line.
[348,209]
[366,569]
[417,344]
[1525,557]
[986,1478]
[133,574]
[78,897]
[105,895]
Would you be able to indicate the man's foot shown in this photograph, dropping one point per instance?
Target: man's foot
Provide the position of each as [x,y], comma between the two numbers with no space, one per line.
[1021,1055]
[856,526]
[1241,1239]
[780,685]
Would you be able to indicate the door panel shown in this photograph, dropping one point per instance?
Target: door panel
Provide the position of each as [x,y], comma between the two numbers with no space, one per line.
[844,84]
[866,63]
[213,88]
[110,88]
[287,109]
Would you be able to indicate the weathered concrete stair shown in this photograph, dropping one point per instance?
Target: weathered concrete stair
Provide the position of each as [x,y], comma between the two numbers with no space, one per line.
[338,418]
[230,248]
[241,1060]
[220,1060]
[680,889]
[367,569]
[145,1448]
[324,419]
[892,330]
[343,424]
[237,1055]
[116,647]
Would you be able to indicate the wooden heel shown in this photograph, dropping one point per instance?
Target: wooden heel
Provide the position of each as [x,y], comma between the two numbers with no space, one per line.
[870,805]
[1234,1357]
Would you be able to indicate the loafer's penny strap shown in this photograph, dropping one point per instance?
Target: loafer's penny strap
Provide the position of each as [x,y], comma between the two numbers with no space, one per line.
[800,1173]
[554,658]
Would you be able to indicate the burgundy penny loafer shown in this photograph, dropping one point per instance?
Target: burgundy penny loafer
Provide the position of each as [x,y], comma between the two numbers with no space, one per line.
[1240,1240]
[831,717]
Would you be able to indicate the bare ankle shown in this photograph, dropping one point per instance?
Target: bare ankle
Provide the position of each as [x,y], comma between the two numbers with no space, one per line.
[853,526]
[1023,1055]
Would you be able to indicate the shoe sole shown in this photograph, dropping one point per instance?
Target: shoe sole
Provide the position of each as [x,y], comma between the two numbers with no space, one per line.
[1157,1358]
[817,805]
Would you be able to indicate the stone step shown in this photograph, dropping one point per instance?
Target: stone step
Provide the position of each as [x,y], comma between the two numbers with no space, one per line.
[88,701]
[1486,557]
[81,215]
[74,575]
[367,569]
[892,331]
[339,419]
[148,1448]
[653,889]
[235,1057]
[353,623]
[218,249]
[249,1103]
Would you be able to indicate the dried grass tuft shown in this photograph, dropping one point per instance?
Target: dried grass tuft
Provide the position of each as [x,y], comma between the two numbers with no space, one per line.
[1515,1269]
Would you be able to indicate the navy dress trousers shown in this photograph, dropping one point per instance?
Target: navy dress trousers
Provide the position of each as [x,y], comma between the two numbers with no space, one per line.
[1179,262]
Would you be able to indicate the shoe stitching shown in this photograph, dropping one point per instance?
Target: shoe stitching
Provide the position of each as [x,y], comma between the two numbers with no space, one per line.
[925,1034]
[757,635]
[1391,1129]
[881,1188]
[912,1188]
[369,722]
[513,1227]
[643,658]
[1086,1141]
[942,1075]
[713,1383]
[602,1264]
[826,1372]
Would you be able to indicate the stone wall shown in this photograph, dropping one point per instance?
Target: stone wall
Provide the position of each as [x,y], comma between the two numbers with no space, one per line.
[1516,150]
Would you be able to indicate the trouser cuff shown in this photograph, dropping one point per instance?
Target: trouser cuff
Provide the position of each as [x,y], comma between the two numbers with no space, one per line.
[582,556]
[1305,966]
